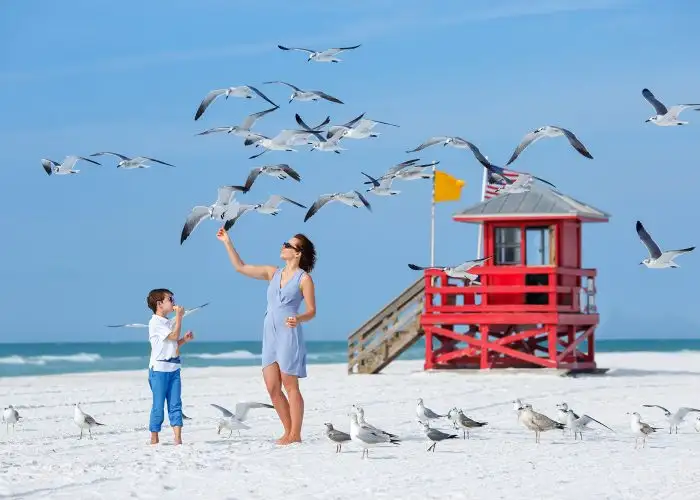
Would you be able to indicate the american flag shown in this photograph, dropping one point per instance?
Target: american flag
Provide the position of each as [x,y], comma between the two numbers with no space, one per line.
[492,189]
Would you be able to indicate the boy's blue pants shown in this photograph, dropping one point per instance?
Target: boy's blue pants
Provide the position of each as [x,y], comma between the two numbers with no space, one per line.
[165,386]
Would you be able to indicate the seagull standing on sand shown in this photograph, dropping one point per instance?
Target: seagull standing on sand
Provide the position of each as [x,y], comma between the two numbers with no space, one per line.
[517,405]
[563,414]
[10,416]
[350,198]
[537,422]
[658,259]
[549,131]
[424,414]
[338,437]
[674,419]
[578,424]
[247,91]
[270,207]
[234,421]
[666,117]
[360,412]
[461,271]
[143,325]
[84,421]
[365,437]
[435,435]
[242,130]
[280,170]
[223,208]
[307,95]
[381,188]
[127,163]
[461,421]
[327,55]
[65,167]
[640,429]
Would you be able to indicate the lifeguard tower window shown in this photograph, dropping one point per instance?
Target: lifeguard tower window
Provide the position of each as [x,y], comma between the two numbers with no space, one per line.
[537,251]
[507,246]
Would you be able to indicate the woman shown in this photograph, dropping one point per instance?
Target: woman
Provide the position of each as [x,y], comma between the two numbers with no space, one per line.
[283,349]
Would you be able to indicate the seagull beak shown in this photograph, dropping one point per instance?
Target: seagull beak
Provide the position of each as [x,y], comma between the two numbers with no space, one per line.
[647,120]
[293,99]
[641,263]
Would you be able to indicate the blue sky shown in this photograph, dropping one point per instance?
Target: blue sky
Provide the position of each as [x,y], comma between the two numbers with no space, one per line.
[82,251]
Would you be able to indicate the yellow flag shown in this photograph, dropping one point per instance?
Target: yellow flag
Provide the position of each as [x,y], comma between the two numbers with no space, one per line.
[446,187]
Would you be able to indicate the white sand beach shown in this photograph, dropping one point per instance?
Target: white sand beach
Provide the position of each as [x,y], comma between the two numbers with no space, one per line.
[44,458]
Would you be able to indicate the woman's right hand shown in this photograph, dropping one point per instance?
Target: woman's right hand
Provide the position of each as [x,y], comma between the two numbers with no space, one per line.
[222,235]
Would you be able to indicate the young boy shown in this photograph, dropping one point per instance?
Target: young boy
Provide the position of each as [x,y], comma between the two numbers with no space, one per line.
[164,365]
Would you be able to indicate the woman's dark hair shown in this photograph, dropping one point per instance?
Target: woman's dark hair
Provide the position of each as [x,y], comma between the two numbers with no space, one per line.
[307,261]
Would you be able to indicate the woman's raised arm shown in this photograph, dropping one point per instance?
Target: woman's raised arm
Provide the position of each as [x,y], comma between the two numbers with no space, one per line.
[257,272]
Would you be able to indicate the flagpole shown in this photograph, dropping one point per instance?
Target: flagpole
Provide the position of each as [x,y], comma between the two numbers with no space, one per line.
[432,222]
[481,226]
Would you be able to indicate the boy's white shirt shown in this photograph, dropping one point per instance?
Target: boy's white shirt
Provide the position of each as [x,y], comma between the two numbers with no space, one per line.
[161,348]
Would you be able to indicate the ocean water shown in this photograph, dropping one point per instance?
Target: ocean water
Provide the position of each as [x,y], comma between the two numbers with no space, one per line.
[54,358]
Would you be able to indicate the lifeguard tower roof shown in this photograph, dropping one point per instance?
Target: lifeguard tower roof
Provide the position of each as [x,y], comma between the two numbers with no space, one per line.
[539,202]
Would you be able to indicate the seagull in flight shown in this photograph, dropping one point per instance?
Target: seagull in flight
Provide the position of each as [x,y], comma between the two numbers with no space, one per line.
[281,142]
[397,168]
[224,208]
[407,172]
[234,421]
[323,144]
[126,163]
[65,167]
[280,170]
[247,91]
[461,271]
[143,325]
[358,128]
[270,207]
[242,130]
[658,259]
[327,55]
[666,117]
[350,198]
[674,419]
[549,131]
[307,95]
[381,187]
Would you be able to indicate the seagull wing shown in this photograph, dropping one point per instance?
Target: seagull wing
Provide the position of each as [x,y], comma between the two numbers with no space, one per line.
[383,123]
[207,101]
[83,158]
[296,48]
[224,195]
[652,247]
[438,435]
[290,171]
[243,209]
[90,420]
[363,200]
[573,140]
[658,106]
[678,108]
[214,130]
[121,157]
[129,325]
[253,138]
[251,119]
[254,173]
[243,407]
[584,420]
[284,198]
[480,157]
[338,436]
[196,216]
[429,142]
[322,200]
[190,311]
[157,161]
[526,141]
[684,410]
[466,266]
[420,268]
[262,95]
[670,254]
[328,97]
[285,83]
[336,50]
[223,410]
[657,406]
[373,181]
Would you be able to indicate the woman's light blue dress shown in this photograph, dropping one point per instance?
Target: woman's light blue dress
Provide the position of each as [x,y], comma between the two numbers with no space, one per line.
[280,343]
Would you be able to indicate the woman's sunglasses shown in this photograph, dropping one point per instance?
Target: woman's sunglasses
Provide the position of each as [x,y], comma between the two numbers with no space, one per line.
[286,244]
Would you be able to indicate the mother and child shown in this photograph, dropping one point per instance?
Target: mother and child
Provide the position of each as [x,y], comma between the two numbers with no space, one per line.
[283,346]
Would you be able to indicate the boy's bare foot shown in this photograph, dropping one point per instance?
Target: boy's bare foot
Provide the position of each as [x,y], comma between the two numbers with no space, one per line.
[154,438]
[178,441]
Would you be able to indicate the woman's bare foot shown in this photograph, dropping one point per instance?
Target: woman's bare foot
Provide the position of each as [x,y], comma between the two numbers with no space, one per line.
[283,439]
[290,440]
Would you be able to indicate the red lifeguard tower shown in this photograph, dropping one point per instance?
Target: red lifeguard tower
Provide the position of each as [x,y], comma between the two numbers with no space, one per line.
[535,306]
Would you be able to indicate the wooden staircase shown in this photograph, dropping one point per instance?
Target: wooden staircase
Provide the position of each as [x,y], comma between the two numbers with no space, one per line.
[389,333]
